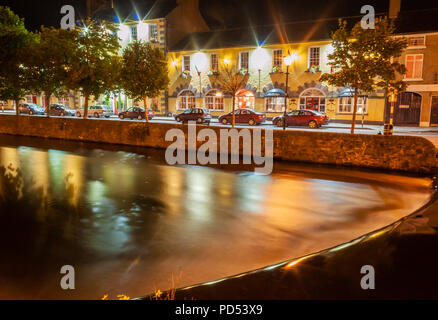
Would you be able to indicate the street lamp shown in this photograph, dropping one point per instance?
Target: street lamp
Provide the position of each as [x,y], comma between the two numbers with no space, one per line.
[388,128]
[287,61]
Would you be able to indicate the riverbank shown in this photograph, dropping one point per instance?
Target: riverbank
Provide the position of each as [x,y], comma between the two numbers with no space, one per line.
[403,256]
[403,153]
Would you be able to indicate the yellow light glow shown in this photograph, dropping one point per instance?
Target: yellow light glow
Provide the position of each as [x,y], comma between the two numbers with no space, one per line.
[174,63]
[260,59]
[227,61]
[218,94]
[200,60]
[291,58]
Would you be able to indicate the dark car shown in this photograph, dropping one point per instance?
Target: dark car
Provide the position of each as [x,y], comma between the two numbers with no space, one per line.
[136,113]
[248,116]
[30,108]
[309,118]
[200,115]
[61,110]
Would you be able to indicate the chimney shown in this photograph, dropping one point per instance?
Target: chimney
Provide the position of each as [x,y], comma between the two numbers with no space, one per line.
[394,8]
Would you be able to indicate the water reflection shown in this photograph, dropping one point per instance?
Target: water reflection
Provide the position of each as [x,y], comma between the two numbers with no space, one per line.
[125,220]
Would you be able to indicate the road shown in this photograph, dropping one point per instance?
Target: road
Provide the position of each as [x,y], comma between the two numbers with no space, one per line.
[430,133]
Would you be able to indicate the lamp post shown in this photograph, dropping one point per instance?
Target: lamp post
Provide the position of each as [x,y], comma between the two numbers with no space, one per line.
[287,61]
[388,128]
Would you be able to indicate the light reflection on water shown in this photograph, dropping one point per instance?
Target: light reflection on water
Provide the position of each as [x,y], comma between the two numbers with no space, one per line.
[125,221]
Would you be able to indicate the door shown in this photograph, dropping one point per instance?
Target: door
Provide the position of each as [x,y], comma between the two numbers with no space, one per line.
[407,109]
[312,103]
[434,111]
[34,99]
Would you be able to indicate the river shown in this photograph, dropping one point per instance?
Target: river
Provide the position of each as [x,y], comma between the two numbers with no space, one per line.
[126,221]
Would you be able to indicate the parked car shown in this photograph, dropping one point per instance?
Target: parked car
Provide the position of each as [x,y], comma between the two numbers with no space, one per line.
[309,118]
[30,109]
[61,110]
[248,116]
[200,115]
[96,111]
[136,113]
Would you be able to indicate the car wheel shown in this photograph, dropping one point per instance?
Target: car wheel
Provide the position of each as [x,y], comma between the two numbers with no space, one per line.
[140,117]
[199,120]
[62,114]
[251,122]
[178,119]
[121,116]
[313,124]
[96,115]
[224,121]
[280,123]
[78,114]
[30,112]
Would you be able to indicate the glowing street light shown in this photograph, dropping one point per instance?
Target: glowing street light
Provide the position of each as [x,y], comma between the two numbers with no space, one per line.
[227,61]
[287,61]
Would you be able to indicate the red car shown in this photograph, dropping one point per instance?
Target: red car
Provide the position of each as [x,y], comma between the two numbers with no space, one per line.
[309,118]
[199,115]
[248,116]
[136,113]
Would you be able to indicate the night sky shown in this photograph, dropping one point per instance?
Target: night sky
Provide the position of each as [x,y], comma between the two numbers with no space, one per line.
[222,13]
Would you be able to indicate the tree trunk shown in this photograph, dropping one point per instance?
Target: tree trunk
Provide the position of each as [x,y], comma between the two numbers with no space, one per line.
[353,122]
[47,102]
[17,102]
[234,108]
[86,107]
[145,101]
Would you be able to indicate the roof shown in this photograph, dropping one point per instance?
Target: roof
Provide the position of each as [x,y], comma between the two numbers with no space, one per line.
[292,32]
[136,10]
[417,21]
[412,21]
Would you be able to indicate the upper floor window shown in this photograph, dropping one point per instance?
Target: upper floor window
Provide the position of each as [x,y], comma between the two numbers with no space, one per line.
[416,41]
[277,59]
[214,61]
[133,32]
[186,63]
[414,66]
[153,33]
[314,57]
[243,60]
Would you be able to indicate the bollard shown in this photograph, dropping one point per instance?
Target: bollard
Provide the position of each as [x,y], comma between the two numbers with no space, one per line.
[388,129]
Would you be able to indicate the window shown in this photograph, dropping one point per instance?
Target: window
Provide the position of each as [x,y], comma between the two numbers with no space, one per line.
[275,100]
[414,66]
[243,60]
[186,63]
[346,105]
[153,33]
[275,104]
[278,59]
[214,61]
[214,100]
[314,57]
[186,100]
[134,33]
[416,41]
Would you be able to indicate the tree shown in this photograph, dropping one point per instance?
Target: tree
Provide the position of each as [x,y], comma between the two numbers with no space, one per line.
[14,41]
[47,62]
[144,72]
[231,82]
[94,68]
[362,59]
